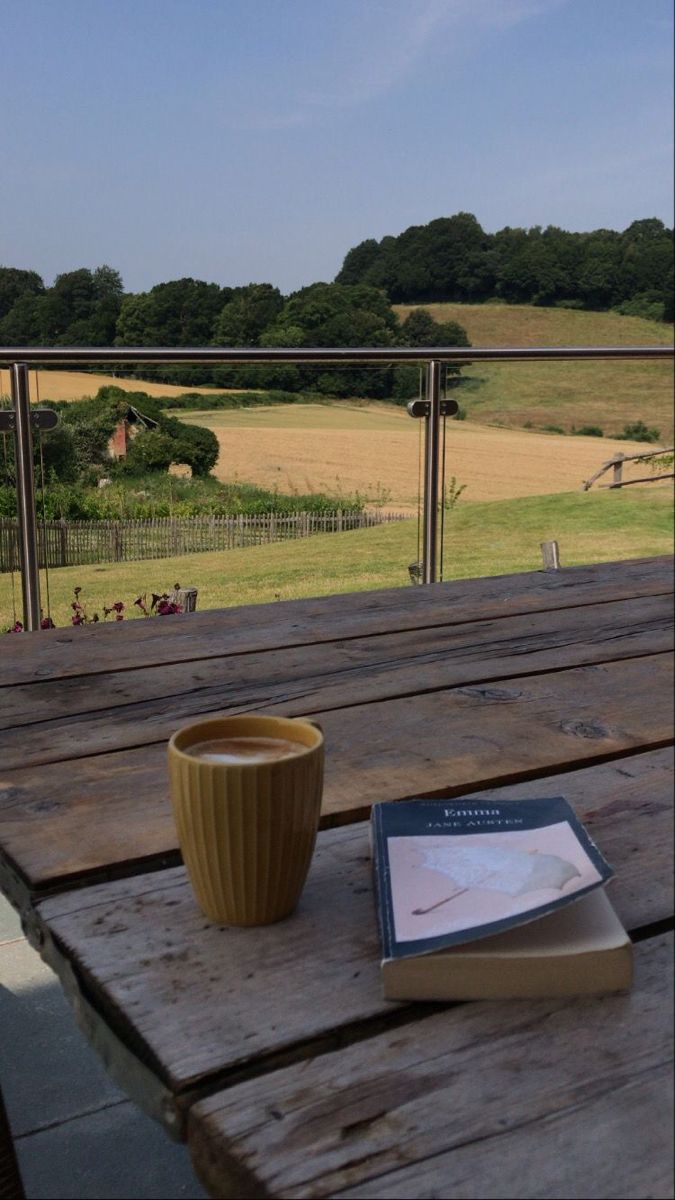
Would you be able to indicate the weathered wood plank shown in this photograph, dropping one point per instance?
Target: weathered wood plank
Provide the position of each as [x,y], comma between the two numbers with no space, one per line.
[46,722]
[450,741]
[142,955]
[93,649]
[111,811]
[451,1105]
[573,1154]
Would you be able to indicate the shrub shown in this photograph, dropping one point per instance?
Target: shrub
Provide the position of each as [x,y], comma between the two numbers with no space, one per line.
[589,431]
[151,450]
[196,446]
[638,432]
[553,429]
[645,304]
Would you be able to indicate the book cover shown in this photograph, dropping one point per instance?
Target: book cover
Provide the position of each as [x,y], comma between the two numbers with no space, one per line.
[449,872]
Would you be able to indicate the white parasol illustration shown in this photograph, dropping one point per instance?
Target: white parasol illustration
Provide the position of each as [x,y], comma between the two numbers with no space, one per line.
[496,868]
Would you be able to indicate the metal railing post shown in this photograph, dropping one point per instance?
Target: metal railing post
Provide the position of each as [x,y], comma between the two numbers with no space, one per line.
[25,497]
[432,437]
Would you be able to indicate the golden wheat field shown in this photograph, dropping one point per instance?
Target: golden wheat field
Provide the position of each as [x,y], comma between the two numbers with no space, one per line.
[75,385]
[374,451]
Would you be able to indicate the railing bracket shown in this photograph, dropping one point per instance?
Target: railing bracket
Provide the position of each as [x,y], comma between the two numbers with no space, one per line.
[40,418]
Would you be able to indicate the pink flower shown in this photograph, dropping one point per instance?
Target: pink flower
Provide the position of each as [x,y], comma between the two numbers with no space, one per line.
[167,608]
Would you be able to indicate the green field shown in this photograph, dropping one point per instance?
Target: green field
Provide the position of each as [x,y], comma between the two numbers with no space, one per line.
[482,538]
[606,394]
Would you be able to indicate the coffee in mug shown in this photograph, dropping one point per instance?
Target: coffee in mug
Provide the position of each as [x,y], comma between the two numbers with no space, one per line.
[240,750]
[246,796]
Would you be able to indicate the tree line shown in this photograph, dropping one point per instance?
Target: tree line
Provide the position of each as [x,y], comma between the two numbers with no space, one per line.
[90,308]
[453,258]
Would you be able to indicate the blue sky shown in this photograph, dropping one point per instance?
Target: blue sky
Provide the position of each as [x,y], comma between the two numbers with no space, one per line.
[258,140]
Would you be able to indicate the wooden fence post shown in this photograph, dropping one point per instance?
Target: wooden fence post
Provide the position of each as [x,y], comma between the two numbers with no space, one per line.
[63,542]
[551,556]
[186,597]
[617,479]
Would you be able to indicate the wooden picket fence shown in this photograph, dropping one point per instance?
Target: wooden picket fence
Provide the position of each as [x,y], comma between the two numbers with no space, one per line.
[72,543]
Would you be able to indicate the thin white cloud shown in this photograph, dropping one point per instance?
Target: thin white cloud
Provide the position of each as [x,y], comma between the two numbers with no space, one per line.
[377,46]
[399,40]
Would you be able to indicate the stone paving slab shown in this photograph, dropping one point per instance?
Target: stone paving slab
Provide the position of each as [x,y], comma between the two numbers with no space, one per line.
[76,1133]
[10,925]
[111,1154]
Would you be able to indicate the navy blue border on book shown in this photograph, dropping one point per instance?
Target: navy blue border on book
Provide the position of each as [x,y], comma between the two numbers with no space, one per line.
[418,818]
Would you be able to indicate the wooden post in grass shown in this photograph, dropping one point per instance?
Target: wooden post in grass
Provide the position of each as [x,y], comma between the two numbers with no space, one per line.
[551,556]
[617,479]
[186,597]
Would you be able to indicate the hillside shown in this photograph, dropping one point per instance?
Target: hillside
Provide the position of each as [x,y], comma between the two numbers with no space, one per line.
[608,395]
[605,394]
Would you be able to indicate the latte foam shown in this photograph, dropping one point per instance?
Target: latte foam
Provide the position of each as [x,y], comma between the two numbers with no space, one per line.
[238,751]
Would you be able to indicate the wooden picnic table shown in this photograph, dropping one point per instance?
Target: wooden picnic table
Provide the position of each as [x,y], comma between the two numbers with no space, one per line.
[271,1051]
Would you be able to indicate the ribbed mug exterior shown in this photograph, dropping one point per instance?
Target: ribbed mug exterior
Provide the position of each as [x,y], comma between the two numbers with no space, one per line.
[247,832]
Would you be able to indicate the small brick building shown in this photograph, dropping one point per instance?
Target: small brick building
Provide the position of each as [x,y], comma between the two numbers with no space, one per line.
[126,430]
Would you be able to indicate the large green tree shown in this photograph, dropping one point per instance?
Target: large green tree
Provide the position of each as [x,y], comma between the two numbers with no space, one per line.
[181,312]
[247,314]
[14,284]
[333,314]
[80,309]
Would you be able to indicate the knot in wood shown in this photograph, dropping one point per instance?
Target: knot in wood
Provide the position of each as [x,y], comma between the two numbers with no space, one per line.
[491,693]
[584,729]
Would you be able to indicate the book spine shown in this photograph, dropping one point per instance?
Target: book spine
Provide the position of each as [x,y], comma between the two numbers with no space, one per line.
[382,880]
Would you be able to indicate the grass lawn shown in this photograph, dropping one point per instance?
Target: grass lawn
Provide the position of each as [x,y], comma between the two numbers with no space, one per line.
[482,538]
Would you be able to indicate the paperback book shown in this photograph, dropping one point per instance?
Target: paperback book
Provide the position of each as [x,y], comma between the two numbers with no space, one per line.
[495,899]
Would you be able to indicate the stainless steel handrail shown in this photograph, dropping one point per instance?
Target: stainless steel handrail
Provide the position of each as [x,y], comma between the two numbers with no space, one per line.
[19,358]
[51,355]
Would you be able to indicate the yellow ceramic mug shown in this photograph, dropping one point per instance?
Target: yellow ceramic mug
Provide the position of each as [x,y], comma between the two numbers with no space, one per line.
[247,830]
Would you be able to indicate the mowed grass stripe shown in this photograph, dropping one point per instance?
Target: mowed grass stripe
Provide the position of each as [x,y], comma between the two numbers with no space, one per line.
[490,538]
